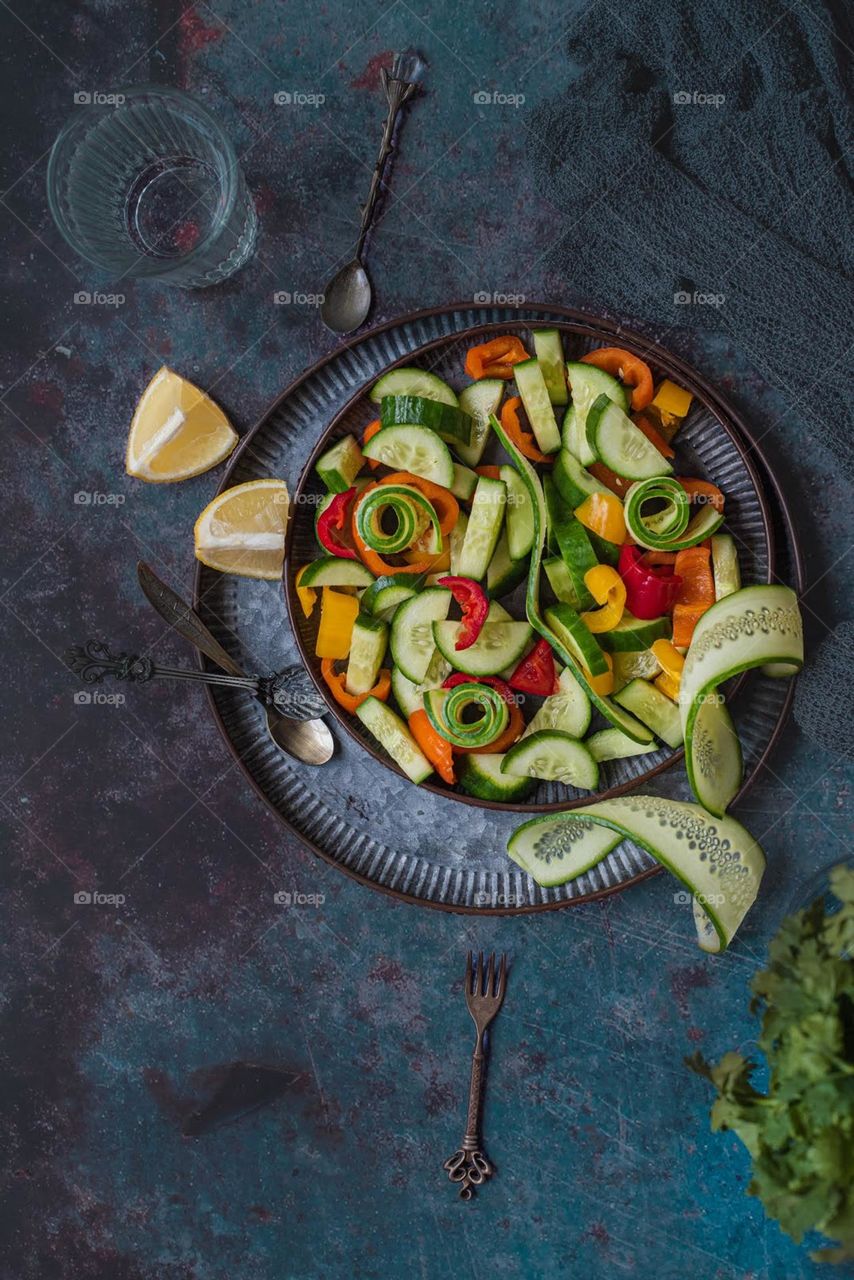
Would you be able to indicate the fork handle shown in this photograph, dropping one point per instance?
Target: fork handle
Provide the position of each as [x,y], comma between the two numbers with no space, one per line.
[469,1167]
[471,1141]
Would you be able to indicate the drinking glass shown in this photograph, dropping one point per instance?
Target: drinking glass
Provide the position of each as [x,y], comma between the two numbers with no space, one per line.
[144,183]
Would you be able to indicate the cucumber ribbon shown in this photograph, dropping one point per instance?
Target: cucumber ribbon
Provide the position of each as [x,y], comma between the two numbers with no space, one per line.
[412,512]
[446,710]
[667,522]
[756,626]
[716,859]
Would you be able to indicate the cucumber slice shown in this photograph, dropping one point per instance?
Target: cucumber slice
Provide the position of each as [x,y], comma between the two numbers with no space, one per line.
[560,581]
[606,552]
[574,438]
[631,633]
[411,637]
[715,858]
[456,540]
[335,571]
[548,347]
[382,598]
[531,386]
[412,382]
[409,696]
[394,736]
[554,757]
[520,514]
[497,613]
[700,527]
[503,573]
[499,645]
[613,744]
[621,445]
[568,710]
[575,637]
[465,482]
[484,526]
[415,449]
[480,775]
[575,547]
[587,383]
[479,400]
[725,565]
[652,707]
[640,664]
[416,411]
[573,482]
[615,714]
[367,650]
[554,850]
[338,467]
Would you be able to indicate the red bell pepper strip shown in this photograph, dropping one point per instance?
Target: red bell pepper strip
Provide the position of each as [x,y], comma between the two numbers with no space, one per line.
[332,521]
[495,681]
[649,592]
[473,601]
[536,672]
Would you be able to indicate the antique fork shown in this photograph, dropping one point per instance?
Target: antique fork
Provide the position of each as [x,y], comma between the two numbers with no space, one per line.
[469,1166]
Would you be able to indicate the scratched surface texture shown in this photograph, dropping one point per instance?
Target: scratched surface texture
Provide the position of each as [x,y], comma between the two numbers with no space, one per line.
[116,1013]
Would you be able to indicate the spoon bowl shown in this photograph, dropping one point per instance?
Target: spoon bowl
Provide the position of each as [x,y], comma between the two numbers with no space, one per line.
[347,299]
[307,740]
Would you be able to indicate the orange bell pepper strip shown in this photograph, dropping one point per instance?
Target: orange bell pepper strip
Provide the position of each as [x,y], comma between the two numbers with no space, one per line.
[372,560]
[505,741]
[495,359]
[444,503]
[610,479]
[653,436]
[368,434]
[491,472]
[631,370]
[602,513]
[436,748]
[685,619]
[523,440]
[660,558]
[351,701]
[702,491]
[693,566]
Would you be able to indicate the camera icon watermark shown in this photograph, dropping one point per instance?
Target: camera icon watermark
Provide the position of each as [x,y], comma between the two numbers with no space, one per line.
[296,98]
[85,299]
[495,98]
[496,900]
[682,898]
[498,299]
[95,498]
[292,898]
[693,98]
[95,698]
[83,898]
[284,298]
[698,299]
[83,98]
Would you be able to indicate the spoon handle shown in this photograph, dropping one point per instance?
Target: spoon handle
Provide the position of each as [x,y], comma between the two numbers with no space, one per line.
[397,93]
[183,618]
[93,661]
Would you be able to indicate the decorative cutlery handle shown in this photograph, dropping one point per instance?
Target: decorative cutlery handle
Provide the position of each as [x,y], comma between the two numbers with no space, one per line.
[183,618]
[469,1166]
[93,660]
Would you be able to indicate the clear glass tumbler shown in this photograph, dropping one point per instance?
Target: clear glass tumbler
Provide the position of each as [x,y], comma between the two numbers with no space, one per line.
[144,183]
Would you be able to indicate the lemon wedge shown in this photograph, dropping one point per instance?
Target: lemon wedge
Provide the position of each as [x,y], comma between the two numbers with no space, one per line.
[177,431]
[243,530]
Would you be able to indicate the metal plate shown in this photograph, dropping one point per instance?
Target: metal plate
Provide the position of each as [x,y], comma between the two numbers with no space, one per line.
[355,813]
[707,447]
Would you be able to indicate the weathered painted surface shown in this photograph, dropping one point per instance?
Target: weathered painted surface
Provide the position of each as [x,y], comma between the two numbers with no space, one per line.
[115,1012]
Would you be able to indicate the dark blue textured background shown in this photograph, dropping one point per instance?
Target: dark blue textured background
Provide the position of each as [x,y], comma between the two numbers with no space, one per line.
[114,1014]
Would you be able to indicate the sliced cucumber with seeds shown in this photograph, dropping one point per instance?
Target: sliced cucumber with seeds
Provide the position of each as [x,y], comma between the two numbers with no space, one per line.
[554,757]
[532,389]
[412,643]
[413,382]
[410,696]
[383,596]
[456,541]
[415,449]
[338,467]
[335,571]
[417,411]
[367,650]
[548,347]
[503,573]
[587,383]
[573,482]
[520,514]
[568,710]
[393,735]
[654,708]
[621,445]
[481,775]
[613,744]
[553,851]
[575,637]
[634,664]
[560,581]
[484,526]
[479,401]
[574,437]
[465,482]
[631,633]
[725,565]
[499,645]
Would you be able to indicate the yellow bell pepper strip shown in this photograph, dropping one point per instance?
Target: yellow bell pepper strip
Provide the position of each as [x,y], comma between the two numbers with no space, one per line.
[495,359]
[436,748]
[373,561]
[523,440]
[307,596]
[668,686]
[671,662]
[631,370]
[608,590]
[672,399]
[443,501]
[338,612]
[418,563]
[352,701]
[602,513]
[604,684]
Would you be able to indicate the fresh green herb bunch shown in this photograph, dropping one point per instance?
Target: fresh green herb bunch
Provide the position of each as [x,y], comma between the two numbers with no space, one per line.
[801,1133]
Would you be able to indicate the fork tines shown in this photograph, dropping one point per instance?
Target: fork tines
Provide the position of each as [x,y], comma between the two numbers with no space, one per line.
[485,986]
[408,66]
